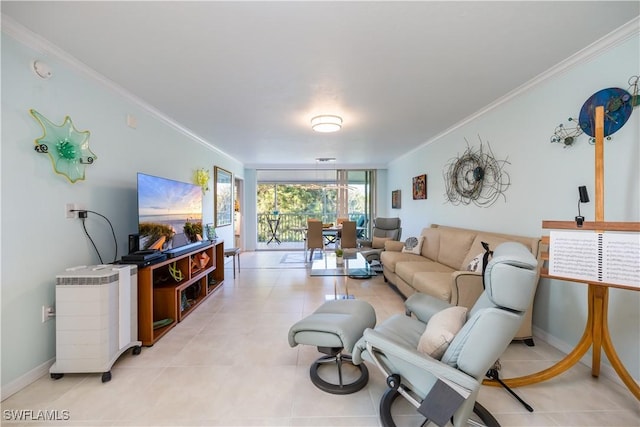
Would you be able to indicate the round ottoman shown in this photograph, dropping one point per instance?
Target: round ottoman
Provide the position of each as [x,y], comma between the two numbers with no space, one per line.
[334,328]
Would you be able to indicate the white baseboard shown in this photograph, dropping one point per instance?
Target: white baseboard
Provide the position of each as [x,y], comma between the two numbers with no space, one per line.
[606,370]
[28,378]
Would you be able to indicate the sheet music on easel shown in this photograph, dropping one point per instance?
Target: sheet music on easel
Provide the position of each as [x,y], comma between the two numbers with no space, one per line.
[611,257]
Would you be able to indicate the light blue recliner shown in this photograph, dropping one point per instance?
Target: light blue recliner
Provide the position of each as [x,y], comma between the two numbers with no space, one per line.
[446,389]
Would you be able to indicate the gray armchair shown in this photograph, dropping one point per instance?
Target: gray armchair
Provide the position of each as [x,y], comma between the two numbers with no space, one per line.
[446,388]
[383,229]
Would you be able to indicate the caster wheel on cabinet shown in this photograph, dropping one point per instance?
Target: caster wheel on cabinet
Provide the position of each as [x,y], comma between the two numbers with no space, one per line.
[136,350]
[106,377]
[56,376]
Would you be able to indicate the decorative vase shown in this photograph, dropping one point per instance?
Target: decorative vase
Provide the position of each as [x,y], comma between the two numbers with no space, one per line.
[339,260]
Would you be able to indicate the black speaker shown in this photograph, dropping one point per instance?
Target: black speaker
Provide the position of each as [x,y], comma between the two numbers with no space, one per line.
[584,196]
[134,243]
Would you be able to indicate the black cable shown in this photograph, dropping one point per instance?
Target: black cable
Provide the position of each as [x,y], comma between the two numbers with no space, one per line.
[115,240]
[84,227]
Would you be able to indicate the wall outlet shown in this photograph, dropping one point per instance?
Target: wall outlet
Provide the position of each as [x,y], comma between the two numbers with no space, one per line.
[68,211]
[48,312]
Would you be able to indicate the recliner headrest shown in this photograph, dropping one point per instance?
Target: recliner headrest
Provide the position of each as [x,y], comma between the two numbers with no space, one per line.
[387,223]
[510,276]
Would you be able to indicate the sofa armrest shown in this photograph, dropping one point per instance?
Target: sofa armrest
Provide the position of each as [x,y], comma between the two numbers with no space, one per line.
[466,287]
[393,246]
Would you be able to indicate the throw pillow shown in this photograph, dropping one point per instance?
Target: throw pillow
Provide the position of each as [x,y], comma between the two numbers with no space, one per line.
[475,264]
[413,245]
[378,242]
[441,329]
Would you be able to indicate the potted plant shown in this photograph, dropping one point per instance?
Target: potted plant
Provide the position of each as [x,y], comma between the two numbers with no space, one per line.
[339,256]
[193,230]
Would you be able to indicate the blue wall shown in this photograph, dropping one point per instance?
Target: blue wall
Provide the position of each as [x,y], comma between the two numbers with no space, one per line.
[37,241]
[544,179]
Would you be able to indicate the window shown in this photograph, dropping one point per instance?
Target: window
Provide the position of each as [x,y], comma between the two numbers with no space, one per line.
[294,196]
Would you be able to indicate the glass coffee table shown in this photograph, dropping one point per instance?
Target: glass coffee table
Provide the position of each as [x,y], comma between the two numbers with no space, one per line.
[354,266]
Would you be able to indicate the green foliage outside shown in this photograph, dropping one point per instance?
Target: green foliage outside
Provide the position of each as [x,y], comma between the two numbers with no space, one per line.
[296,199]
[298,202]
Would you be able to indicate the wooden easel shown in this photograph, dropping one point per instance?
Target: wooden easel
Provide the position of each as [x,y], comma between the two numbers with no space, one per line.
[596,333]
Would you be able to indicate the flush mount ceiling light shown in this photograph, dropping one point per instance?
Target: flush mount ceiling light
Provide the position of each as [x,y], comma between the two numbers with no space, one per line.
[326,123]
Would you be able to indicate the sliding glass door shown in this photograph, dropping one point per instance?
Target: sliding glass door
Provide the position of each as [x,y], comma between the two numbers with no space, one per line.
[288,198]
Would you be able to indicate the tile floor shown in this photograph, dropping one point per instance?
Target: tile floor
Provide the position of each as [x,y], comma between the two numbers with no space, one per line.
[229,364]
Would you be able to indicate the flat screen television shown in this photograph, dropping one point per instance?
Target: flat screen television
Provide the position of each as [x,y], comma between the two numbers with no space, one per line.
[169,212]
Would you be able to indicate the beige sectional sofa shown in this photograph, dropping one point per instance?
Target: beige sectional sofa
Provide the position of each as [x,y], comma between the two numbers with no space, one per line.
[442,267]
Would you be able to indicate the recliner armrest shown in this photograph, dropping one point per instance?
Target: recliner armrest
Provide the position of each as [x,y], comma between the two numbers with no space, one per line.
[424,306]
[423,362]
[466,287]
[364,243]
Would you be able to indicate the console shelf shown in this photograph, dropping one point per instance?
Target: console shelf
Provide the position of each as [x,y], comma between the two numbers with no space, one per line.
[164,301]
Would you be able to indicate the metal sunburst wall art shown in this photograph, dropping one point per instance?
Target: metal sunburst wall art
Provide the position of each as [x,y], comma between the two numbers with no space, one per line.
[67,147]
[476,177]
[618,105]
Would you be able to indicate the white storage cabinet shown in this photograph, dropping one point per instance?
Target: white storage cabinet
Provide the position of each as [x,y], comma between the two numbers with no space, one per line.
[96,318]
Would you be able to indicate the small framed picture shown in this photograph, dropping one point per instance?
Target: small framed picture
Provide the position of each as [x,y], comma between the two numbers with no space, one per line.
[420,187]
[223,195]
[395,199]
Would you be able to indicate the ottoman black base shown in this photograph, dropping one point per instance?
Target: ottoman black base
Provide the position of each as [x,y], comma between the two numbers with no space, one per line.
[338,358]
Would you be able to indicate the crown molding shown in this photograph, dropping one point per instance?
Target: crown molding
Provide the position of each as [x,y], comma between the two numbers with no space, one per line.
[41,45]
[611,40]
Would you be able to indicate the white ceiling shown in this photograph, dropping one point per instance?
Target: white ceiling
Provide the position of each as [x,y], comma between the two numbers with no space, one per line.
[248,76]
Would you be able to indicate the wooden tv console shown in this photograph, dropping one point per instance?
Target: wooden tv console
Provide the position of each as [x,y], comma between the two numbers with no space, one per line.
[163,298]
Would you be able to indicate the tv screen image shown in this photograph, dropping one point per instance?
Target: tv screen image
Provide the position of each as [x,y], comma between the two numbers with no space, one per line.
[165,207]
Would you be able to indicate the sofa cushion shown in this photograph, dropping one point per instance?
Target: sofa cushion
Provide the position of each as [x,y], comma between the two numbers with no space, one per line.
[390,259]
[440,331]
[435,283]
[454,247]
[431,243]
[407,270]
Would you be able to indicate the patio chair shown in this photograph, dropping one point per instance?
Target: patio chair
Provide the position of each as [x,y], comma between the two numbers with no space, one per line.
[360,226]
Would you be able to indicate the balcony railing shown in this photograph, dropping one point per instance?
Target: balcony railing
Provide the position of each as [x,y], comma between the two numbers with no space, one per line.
[289,222]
